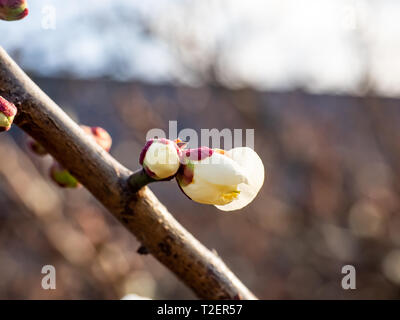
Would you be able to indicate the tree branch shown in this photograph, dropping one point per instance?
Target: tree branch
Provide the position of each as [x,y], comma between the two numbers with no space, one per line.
[140,212]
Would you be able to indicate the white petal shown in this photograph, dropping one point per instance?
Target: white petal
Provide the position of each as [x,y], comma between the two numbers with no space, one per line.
[221,170]
[162,159]
[251,163]
[205,192]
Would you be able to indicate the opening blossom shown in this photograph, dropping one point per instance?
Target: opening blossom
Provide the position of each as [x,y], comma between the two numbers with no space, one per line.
[11,10]
[230,180]
[7,113]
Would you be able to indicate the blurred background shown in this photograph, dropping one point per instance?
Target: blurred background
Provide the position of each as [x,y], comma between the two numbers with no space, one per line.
[319,81]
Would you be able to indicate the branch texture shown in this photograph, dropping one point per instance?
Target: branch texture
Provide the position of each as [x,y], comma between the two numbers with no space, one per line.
[140,212]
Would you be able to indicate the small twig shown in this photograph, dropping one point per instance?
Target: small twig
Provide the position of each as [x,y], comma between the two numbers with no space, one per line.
[139,179]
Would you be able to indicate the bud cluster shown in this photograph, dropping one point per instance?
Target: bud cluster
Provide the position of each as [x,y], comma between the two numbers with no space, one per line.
[229,180]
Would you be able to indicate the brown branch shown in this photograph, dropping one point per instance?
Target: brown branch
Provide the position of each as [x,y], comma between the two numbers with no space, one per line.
[141,212]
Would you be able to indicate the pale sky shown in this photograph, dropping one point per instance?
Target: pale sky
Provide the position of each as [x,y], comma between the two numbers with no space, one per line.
[320,45]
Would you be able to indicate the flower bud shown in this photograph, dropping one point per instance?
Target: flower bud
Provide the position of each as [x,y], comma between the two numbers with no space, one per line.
[160,158]
[13,9]
[100,135]
[62,177]
[7,113]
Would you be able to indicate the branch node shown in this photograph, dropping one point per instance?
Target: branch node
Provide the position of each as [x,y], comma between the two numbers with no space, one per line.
[139,179]
[142,250]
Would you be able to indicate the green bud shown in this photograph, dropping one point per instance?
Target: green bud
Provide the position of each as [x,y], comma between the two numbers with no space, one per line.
[62,177]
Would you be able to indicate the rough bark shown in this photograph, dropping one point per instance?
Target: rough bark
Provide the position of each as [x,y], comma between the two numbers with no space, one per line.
[140,212]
